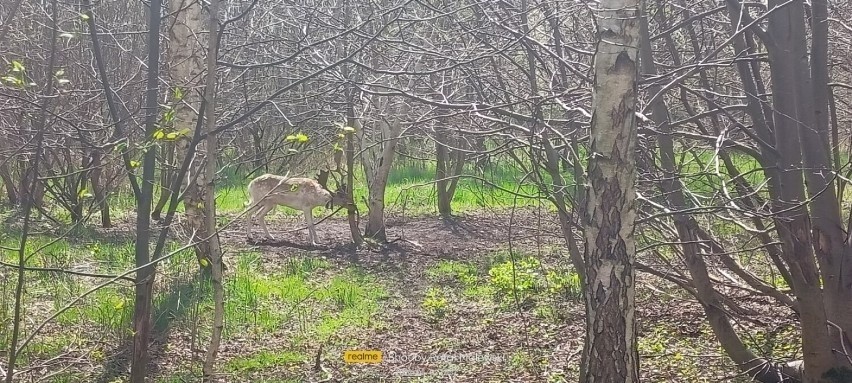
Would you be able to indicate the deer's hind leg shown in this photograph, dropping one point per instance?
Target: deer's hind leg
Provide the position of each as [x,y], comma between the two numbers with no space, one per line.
[261,216]
[250,214]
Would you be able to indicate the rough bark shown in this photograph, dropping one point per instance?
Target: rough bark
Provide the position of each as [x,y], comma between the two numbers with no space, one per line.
[377,160]
[610,353]
[185,68]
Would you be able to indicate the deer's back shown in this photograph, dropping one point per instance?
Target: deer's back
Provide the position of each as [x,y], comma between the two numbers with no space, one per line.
[296,192]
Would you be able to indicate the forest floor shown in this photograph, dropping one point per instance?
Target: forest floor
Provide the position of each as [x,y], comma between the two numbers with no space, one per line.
[441,301]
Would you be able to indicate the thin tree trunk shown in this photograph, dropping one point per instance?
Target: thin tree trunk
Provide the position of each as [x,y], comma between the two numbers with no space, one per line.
[109,95]
[146,275]
[832,250]
[185,66]
[214,248]
[99,189]
[686,227]
[166,175]
[351,209]
[448,167]
[610,354]
[11,190]
[793,106]
[29,199]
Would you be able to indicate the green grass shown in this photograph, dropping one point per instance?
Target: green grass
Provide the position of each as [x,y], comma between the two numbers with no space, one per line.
[263,360]
[303,299]
[263,303]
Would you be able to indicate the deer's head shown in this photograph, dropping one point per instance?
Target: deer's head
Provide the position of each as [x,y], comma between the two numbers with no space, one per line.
[339,197]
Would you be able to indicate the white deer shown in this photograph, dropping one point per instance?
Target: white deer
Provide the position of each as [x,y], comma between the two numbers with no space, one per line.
[269,190]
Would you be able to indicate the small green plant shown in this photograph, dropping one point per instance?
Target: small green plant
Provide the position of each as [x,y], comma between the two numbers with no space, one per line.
[435,304]
[264,360]
[565,282]
[453,271]
[520,276]
[303,265]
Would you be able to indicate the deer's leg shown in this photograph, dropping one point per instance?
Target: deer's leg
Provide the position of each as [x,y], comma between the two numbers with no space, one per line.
[250,220]
[309,220]
[261,215]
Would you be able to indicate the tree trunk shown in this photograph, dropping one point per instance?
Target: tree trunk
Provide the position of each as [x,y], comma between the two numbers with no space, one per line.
[145,277]
[213,245]
[448,167]
[833,249]
[6,176]
[166,175]
[99,189]
[687,229]
[377,181]
[29,200]
[351,209]
[185,67]
[610,354]
[792,95]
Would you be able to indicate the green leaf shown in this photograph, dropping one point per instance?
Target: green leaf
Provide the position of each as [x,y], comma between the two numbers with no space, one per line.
[12,79]
[177,93]
[17,66]
[301,138]
[169,115]
[172,136]
[134,164]
[158,135]
[291,138]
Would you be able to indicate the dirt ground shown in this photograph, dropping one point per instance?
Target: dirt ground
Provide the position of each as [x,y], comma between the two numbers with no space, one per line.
[482,344]
[474,341]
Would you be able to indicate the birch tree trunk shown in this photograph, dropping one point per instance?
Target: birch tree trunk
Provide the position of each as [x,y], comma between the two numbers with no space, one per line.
[610,353]
[185,68]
